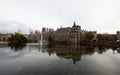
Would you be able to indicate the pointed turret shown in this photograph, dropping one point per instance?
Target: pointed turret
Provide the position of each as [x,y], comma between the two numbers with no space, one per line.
[74,25]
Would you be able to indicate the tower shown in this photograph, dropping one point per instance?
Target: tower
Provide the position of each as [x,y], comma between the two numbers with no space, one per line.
[75,34]
[74,24]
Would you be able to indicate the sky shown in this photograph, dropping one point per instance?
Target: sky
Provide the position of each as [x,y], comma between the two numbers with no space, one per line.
[102,16]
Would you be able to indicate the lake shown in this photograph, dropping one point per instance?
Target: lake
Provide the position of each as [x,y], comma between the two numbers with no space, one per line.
[59,60]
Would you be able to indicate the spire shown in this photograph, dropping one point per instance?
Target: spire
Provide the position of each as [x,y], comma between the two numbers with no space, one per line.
[74,24]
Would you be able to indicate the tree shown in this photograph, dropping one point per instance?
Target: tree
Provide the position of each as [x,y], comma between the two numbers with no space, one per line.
[89,36]
[18,38]
[101,37]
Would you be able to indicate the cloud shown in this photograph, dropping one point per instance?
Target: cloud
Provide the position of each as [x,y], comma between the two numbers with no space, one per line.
[13,26]
[100,15]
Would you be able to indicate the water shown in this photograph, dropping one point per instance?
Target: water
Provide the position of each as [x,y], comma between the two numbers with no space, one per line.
[59,60]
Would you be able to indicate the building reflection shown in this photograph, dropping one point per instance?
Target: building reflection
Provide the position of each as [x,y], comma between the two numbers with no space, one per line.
[16,47]
[75,52]
[71,52]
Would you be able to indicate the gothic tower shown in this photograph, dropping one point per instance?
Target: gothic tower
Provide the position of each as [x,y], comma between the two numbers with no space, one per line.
[75,34]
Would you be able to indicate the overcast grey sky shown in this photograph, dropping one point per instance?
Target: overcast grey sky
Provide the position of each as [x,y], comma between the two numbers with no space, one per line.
[100,15]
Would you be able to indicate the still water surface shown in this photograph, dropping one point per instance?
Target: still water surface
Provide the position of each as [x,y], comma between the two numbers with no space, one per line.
[59,60]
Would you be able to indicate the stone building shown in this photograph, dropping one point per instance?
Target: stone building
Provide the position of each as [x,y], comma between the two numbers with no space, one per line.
[4,37]
[68,34]
[62,34]
[46,33]
[75,33]
[72,35]
[34,37]
[118,35]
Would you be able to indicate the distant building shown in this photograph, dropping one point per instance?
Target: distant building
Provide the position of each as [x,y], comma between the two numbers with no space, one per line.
[72,34]
[68,34]
[62,34]
[75,33]
[118,35]
[34,37]
[4,37]
[45,30]
[51,30]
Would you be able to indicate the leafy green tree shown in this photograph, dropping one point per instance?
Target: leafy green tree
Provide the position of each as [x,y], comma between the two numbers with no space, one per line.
[112,38]
[89,36]
[101,37]
[18,38]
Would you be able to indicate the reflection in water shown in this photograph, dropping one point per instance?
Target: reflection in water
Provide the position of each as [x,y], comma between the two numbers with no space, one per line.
[16,47]
[74,52]
[59,60]
[66,51]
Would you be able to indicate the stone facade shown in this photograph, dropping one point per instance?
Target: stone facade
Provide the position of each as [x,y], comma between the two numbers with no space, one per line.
[68,34]
[118,35]
[34,37]
[62,34]
[73,35]
[4,37]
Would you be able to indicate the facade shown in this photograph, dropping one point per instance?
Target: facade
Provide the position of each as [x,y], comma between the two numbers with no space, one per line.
[68,34]
[75,33]
[62,34]
[34,37]
[71,35]
[118,35]
[45,30]
[4,37]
